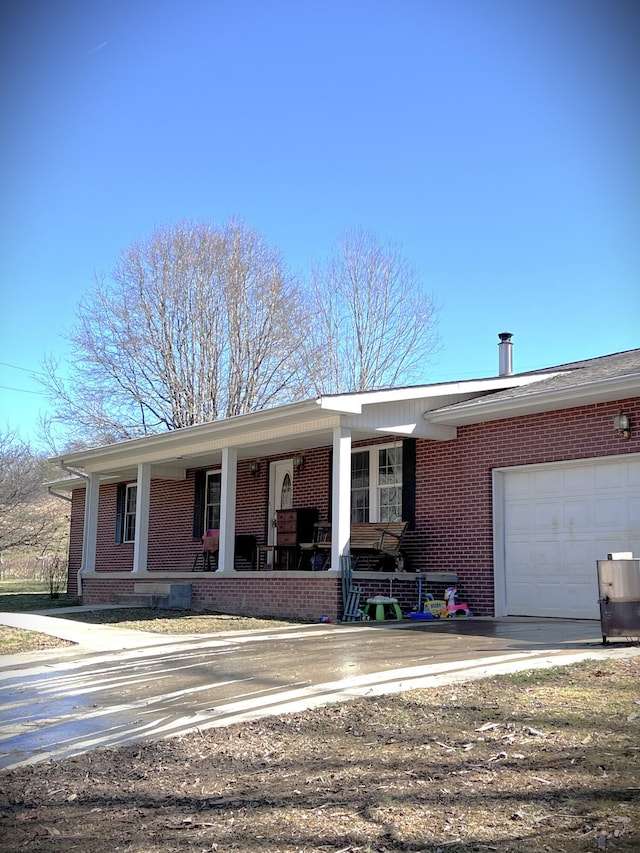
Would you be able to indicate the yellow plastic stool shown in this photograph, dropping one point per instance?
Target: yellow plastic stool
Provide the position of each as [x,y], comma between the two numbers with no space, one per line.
[379,609]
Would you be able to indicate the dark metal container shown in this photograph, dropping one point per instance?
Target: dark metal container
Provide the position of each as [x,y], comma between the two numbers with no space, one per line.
[619,586]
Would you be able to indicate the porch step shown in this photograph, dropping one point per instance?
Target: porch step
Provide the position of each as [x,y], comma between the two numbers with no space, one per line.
[131,600]
[162,596]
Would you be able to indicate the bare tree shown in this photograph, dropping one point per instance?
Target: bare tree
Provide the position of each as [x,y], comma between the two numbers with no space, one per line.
[374,324]
[194,324]
[28,515]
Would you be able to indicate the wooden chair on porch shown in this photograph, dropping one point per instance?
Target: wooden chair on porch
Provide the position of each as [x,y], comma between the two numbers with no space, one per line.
[317,552]
[210,545]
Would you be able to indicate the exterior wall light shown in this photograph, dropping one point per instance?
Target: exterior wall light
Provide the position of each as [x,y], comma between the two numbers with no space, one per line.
[254,468]
[622,424]
[298,461]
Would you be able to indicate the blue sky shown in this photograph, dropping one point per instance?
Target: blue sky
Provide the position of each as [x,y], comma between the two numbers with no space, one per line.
[496,140]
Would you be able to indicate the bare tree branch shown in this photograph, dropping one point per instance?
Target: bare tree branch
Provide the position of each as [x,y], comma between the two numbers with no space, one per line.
[28,516]
[374,324]
[194,324]
[198,323]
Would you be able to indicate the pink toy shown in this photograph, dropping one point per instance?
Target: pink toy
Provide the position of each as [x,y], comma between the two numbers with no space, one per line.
[455,607]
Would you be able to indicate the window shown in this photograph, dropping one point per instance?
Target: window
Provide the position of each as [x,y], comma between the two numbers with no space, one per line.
[286,493]
[212,501]
[390,484]
[360,486]
[376,484]
[126,497]
[130,514]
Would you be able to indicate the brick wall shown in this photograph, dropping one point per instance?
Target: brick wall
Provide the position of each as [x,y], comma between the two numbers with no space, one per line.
[305,598]
[293,597]
[454,498]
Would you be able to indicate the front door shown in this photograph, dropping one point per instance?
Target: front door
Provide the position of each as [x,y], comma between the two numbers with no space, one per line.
[280,493]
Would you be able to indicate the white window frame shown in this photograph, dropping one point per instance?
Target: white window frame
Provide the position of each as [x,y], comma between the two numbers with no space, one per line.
[374,471]
[128,514]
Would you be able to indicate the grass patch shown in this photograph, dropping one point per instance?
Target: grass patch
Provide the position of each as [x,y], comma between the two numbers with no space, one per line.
[15,641]
[19,595]
[551,767]
[174,621]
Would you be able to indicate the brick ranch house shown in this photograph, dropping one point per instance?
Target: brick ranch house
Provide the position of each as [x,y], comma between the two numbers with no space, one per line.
[514,485]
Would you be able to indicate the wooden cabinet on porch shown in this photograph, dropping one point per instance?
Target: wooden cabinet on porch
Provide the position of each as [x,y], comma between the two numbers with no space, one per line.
[293,526]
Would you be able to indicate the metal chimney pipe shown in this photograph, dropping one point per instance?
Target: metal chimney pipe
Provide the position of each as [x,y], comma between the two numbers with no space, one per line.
[505,354]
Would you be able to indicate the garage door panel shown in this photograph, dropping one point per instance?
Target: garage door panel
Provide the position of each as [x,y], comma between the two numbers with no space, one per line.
[546,556]
[577,515]
[518,488]
[612,476]
[518,517]
[558,521]
[539,600]
[576,554]
[518,554]
[547,515]
[545,482]
[577,480]
[612,514]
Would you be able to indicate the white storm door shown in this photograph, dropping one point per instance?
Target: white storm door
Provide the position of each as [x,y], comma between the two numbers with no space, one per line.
[280,493]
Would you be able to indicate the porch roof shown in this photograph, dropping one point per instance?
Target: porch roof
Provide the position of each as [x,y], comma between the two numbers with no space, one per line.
[595,380]
[285,429]
[431,412]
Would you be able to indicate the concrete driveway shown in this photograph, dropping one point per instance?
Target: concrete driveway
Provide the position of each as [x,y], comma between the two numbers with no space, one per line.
[118,687]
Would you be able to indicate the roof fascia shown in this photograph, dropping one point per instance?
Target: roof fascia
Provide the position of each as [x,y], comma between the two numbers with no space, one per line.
[168,444]
[597,391]
[191,447]
[67,483]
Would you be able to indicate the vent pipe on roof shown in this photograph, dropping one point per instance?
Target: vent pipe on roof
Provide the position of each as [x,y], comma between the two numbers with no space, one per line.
[505,354]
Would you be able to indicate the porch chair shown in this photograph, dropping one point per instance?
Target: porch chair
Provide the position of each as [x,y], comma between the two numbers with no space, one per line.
[210,545]
[317,552]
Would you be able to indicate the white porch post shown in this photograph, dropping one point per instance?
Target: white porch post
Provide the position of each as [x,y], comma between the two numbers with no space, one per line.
[90,527]
[341,497]
[143,494]
[226,553]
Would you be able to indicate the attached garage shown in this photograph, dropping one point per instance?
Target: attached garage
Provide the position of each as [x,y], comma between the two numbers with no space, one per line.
[552,522]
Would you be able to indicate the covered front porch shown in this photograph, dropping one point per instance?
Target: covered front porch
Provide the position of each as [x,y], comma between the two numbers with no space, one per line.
[151,489]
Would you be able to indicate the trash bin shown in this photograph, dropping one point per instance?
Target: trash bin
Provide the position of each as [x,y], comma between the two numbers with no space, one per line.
[619,588]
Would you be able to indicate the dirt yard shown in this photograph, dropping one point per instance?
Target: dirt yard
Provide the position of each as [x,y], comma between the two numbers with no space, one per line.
[542,761]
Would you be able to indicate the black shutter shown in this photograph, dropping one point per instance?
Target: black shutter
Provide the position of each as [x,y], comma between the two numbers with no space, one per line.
[198,504]
[409,482]
[121,496]
[330,507]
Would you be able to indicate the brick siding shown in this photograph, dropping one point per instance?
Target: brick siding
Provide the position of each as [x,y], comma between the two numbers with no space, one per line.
[454,523]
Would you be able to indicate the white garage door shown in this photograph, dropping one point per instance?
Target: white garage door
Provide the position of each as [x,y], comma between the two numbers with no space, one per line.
[560,519]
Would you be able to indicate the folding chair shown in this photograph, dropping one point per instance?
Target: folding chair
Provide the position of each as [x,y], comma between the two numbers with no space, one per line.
[210,545]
